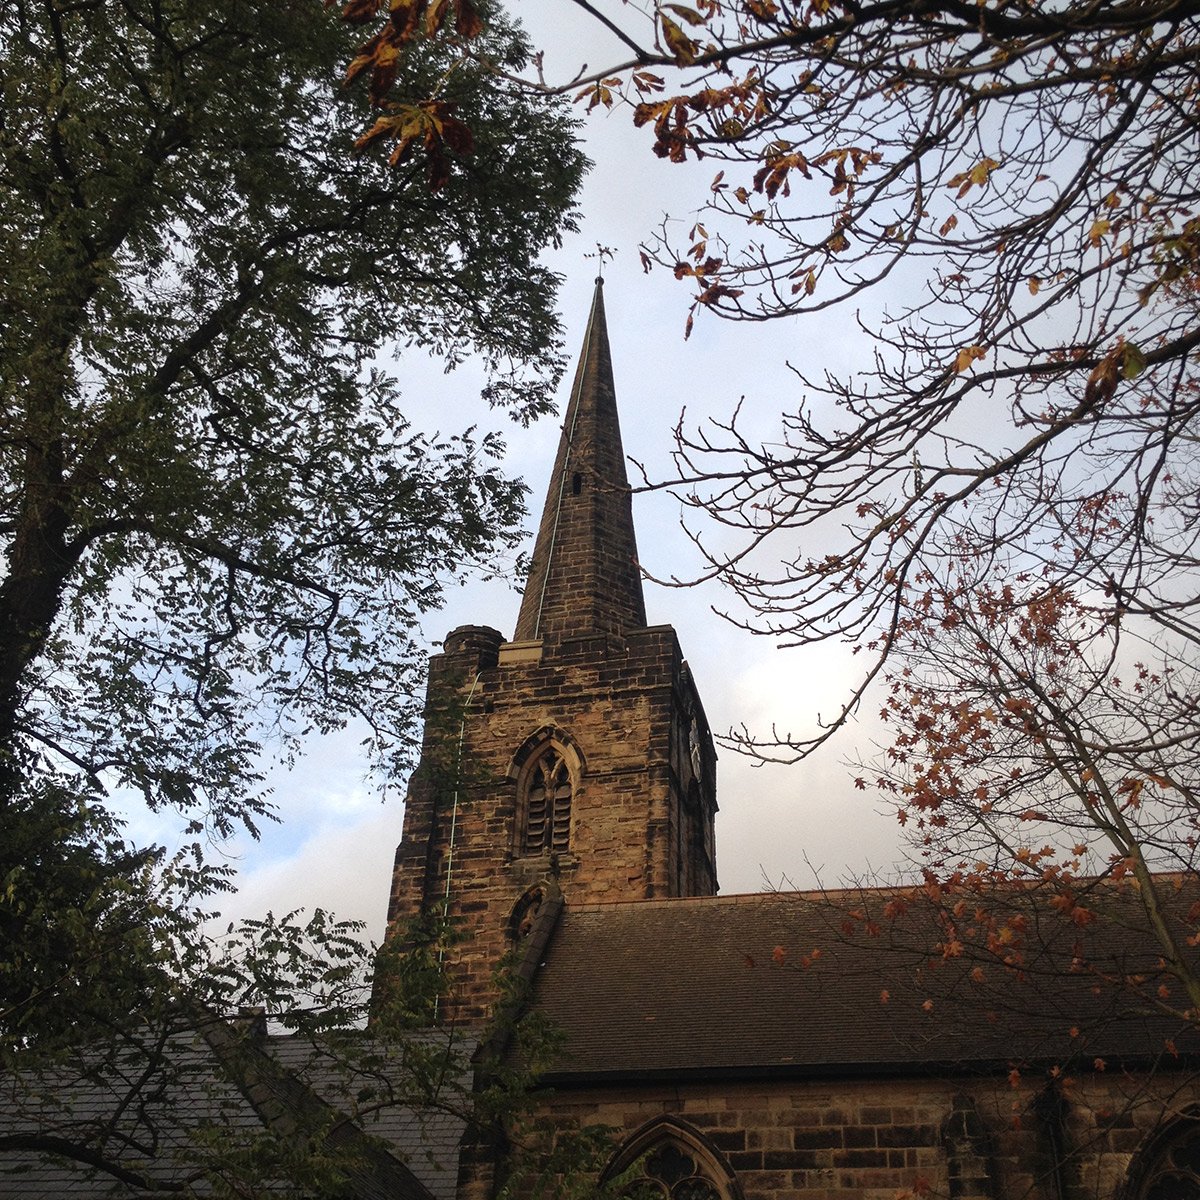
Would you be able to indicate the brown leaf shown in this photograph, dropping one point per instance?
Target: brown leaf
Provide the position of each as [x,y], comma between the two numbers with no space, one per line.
[405,17]
[358,12]
[467,21]
[682,48]
[435,14]
[690,15]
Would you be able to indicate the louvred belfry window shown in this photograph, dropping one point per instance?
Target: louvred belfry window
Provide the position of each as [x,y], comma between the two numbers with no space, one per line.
[548,804]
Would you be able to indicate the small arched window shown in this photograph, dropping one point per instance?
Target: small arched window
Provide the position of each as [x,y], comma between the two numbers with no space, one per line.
[547,807]
[669,1160]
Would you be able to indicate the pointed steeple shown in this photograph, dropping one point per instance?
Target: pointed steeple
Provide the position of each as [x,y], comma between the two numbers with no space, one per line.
[584,576]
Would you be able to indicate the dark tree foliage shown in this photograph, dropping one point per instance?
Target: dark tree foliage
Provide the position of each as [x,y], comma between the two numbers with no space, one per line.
[219,526]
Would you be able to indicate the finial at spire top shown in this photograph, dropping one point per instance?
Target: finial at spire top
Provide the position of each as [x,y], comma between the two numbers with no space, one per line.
[603,253]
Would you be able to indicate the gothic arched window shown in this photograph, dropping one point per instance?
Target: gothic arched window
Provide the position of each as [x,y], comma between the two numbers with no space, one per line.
[547,788]
[546,771]
[1168,1167]
[668,1160]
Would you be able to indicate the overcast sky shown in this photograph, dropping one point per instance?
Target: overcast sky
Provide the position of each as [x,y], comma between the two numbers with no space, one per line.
[777,826]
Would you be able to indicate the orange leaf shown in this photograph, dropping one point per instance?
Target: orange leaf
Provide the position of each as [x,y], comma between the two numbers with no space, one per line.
[967,356]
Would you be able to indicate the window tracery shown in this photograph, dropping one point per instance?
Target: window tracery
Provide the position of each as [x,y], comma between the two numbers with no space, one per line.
[667,1159]
[1171,1170]
[547,807]
[669,1172]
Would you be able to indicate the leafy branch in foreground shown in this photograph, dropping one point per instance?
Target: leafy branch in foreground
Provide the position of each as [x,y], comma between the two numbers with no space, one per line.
[219,522]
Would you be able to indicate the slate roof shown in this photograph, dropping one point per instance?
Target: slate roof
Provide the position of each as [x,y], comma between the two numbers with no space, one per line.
[425,1137]
[88,1104]
[678,989]
[152,1124]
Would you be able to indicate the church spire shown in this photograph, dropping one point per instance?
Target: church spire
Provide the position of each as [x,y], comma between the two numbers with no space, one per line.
[584,576]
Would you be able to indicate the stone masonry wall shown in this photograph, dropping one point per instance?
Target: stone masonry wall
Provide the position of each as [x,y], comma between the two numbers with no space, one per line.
[965,1138]
[626,706]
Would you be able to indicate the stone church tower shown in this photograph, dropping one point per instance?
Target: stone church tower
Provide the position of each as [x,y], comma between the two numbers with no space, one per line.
[575,757]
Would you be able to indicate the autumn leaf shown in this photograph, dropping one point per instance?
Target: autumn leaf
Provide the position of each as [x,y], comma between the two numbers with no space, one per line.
[1102,382]
[358,12]
[779,954]
[718,291]
[405,17]
[884,996]
[977,176]
[595,95]
[690,15]
[966,357]
[1099,228]
[430,126]
[646,82]
[467,21]
[1133,361]
[682,48]
[1034,285]
[435,14]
